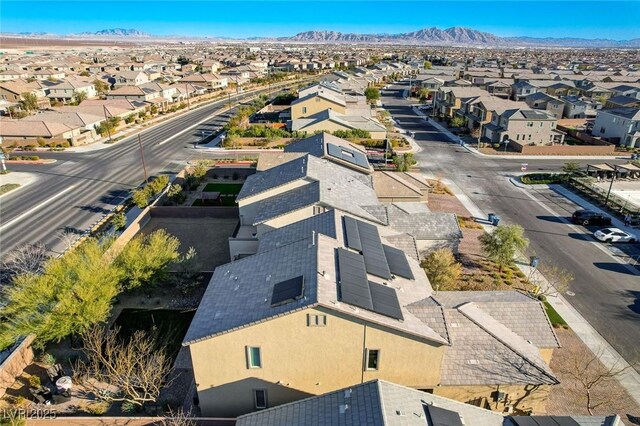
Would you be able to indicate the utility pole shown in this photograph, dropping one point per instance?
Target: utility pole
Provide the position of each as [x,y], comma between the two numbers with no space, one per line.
[106,122]
[613,176]
[144,166]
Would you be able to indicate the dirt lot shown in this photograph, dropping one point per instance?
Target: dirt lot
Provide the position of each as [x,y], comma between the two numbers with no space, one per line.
[209,236]
[567,398]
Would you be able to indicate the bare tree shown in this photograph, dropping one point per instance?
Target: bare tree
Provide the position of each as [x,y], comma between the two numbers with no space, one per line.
[178,418]
[131,371]
[595,383]
[26,259]
[557,279]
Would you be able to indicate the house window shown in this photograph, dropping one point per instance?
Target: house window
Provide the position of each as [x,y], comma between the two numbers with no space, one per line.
[517,137]
[254,358]
[304,110]
[529,123]
[260,398]
[316,320]
[373,359]
[319,210]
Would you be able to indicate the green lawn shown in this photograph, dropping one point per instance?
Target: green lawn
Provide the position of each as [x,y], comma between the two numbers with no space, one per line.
[223,188]
[555,318]
[8,187]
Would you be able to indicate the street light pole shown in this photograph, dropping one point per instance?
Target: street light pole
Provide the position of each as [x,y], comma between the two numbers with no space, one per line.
[144,166]
[186,88]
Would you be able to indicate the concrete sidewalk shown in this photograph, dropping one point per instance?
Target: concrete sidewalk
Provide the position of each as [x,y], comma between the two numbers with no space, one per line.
[629,379]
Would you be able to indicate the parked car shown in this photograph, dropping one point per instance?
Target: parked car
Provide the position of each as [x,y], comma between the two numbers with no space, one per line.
[589,217]
[614,235]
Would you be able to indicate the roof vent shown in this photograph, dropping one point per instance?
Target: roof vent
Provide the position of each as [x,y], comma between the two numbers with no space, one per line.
[347,393]
[343,408]
[473,362]
[399,413]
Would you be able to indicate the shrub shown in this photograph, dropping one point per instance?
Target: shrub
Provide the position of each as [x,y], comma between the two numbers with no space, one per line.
[442,269]
[128,407]
[34,381]
[48,359]
[97,408]
[140,197]
[542,298]
[496,146]
[34,158]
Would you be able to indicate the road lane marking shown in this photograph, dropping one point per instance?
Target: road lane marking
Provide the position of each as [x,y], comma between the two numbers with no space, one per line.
[33,209]
[575,228]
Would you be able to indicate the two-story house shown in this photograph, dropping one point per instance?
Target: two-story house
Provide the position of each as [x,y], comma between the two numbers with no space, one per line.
[210,80]
[67,89]
[449,99]
[524,127]
[333,298]
[621,125]
[546,102]
[580,107]
[130,78]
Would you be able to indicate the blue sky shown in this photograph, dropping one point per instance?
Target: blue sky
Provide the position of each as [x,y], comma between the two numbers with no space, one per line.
[589,19]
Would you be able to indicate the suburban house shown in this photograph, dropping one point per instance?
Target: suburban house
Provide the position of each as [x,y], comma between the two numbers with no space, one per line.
[521,89]
[13,75]
[67,89]
[544,101]
[48,75]
[329,120]
[621,125]
[479,111]
[382,403]
[622,101]
[500,88]
[449,99]
[13,91]
[334,286]
[317,102]
[576,107]
[130,78]
[12,131]
[210,81]
[524,127]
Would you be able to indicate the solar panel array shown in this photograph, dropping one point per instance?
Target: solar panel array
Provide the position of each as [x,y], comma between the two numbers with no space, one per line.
[398,263]
[365,238]
[442,417]
[544,421]
[357,290]
[349,155]
[287,291]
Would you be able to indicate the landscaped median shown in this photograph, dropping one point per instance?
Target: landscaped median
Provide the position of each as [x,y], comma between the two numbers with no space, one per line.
[8,187]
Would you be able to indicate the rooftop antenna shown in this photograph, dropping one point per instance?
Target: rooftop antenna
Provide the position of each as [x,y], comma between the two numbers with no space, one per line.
[313,238]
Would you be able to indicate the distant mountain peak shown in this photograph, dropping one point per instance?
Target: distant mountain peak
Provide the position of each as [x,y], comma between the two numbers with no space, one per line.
[452,36]
[120,32]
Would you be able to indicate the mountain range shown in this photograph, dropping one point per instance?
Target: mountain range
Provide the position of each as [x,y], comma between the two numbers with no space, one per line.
[454,36]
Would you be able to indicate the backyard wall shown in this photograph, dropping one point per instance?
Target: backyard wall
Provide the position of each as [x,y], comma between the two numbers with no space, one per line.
[194,212]
[125,421]
[563,149]
[12,366]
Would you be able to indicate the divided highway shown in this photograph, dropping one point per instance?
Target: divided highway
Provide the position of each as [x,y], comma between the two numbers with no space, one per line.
[80,187]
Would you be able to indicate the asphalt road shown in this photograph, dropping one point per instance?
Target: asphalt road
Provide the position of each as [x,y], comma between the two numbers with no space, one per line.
[80,187]
[607,294]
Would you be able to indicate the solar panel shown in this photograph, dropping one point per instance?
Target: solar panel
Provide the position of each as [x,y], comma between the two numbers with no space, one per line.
[352,234]
[374,258]
[385,301]
[442,417]
[398,263]
[352,156]
[334,150]
[354,286]
[287,291]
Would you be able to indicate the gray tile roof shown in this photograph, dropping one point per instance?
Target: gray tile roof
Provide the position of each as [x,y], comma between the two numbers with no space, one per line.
[287,202]
[316,146]
[274,177]
[371,403]
[239,292]
[578,420]
[520,313]
[404,242]
[423,226]
[324,223]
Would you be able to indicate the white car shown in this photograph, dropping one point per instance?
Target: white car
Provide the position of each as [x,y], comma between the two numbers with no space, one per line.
[614,235]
